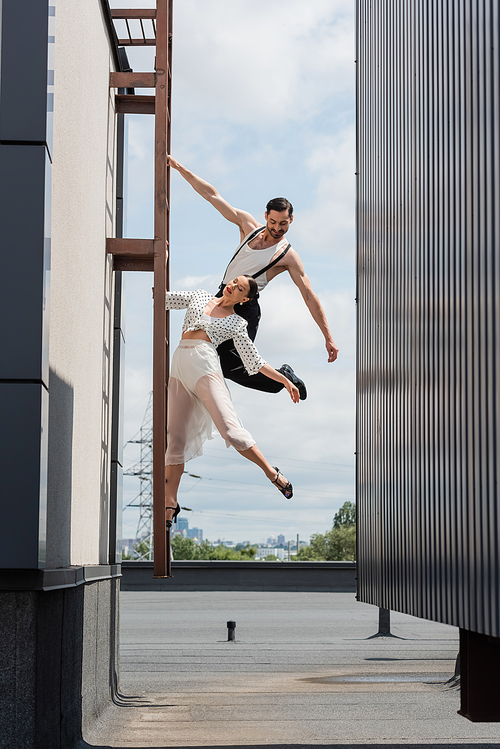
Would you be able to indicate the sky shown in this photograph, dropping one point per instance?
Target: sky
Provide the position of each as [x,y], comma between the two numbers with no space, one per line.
[263,106]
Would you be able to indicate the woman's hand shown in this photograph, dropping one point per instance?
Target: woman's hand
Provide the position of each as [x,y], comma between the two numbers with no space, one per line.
[294,392]
[279,377]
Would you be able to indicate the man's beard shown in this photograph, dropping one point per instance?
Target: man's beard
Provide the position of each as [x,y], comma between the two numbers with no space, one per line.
[275,234]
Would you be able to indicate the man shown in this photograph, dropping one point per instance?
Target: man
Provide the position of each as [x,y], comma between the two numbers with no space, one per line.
[263,253]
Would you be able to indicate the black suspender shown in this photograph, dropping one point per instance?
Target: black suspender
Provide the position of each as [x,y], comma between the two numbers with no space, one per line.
[246,241]
[273,262]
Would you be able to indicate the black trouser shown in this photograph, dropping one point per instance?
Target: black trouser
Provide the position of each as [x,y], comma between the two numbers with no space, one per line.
[231,364]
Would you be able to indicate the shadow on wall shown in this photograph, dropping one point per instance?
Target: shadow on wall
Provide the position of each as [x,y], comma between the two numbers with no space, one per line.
[59,472]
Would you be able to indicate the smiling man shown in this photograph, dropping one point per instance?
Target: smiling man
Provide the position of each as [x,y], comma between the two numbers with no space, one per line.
[263,253]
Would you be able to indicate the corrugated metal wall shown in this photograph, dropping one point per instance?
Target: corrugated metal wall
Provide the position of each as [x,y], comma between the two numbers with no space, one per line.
[428,164]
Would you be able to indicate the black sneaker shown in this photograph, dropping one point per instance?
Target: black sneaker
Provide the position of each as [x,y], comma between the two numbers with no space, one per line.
[286,370]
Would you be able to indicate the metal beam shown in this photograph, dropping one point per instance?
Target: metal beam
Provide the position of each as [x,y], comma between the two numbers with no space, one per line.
[130,248]
[131,254]
[133,13]
[132,80]
[161,281]
[134,104]
[137,42]
[134,264]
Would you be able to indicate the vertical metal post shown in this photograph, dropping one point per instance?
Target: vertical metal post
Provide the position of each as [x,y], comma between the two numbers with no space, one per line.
[298,543]
[115,507]
[384,625]
[289,552]
[384,622]
[161,239]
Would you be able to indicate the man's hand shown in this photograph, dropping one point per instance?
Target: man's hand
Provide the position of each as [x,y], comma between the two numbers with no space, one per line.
[173,163]
[332,349]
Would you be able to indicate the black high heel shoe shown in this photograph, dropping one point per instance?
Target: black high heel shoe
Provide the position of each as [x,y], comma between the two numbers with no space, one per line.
[286,490]
[176,510]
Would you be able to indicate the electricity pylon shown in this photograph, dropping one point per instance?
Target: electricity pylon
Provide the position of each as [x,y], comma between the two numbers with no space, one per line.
[143,470]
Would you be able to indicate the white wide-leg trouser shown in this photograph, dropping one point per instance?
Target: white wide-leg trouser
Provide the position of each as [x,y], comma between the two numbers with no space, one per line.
[198,398]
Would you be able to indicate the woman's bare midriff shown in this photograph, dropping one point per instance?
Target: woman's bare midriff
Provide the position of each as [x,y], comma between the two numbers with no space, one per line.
[193,335]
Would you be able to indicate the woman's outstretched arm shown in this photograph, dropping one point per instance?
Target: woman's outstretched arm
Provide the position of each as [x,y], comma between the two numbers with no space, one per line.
[274,375]
[253,362]
[178,299]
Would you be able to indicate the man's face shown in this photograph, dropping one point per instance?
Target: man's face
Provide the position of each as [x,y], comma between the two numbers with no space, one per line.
[278,223]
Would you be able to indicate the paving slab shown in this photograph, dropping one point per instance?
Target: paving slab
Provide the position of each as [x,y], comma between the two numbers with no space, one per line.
[304,671]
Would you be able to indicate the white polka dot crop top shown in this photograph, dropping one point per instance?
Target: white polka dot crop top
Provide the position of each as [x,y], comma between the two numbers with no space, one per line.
[218,329]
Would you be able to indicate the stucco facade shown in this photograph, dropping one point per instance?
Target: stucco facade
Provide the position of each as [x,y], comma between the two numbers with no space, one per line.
[60,160]
[81,299]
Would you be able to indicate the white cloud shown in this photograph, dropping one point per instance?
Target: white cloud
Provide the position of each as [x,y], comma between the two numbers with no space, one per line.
[262,105]
[328,226]
[197,282]
[254,61]
[289,327]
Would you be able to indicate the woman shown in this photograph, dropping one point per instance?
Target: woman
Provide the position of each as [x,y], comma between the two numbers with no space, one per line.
[197,394]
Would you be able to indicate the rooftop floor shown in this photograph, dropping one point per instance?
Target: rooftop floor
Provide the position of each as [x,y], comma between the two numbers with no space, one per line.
[303,671]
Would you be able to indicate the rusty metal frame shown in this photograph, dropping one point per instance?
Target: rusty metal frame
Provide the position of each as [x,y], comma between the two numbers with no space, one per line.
[152,254]
[138,15]
[134,104]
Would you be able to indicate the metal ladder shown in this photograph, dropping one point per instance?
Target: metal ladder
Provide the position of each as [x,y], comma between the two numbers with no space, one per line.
[152,254]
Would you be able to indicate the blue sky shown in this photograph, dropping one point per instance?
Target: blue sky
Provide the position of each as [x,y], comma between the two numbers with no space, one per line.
[263,105]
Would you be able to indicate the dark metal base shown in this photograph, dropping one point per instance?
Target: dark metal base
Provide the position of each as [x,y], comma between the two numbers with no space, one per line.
[479,669]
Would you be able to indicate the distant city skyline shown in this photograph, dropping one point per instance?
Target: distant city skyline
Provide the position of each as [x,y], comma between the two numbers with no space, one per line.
[182,527]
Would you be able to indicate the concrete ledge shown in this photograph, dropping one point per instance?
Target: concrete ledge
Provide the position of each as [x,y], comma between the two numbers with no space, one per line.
[222,575]
[64,577]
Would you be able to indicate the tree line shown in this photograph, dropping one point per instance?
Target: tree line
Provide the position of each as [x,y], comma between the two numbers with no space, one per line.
[337,544]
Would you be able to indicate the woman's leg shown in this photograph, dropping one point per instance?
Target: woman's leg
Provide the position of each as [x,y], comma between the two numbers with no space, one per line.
[254,454]
[180,406]
[214,395]
[173,475]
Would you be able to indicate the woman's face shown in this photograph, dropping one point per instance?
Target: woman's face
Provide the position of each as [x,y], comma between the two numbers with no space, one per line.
[237,290]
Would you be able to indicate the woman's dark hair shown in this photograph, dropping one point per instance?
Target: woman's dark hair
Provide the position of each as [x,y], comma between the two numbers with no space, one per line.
[254,289]
[280,204]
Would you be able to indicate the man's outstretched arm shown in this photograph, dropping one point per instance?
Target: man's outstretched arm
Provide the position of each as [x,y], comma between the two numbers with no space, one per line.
[244,220]
[296,270]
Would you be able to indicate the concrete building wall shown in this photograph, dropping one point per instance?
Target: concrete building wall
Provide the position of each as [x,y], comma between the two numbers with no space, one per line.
[83,212]
[56,672]
[58,578]
[25,189]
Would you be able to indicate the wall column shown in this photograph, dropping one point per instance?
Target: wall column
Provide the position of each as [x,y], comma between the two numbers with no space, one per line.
[25,166]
